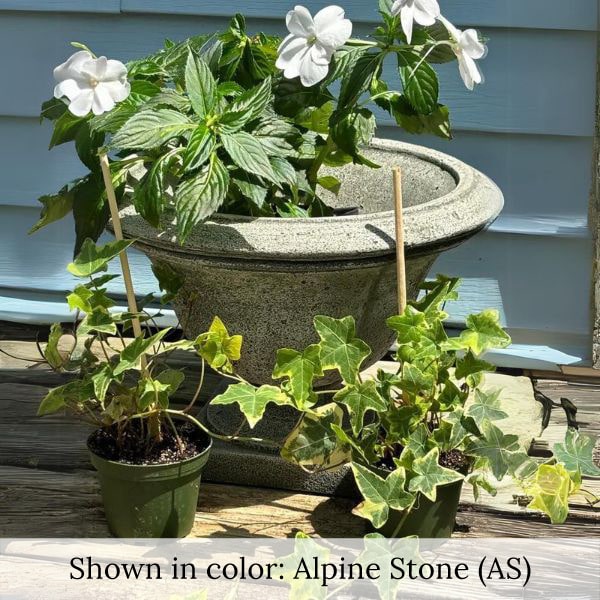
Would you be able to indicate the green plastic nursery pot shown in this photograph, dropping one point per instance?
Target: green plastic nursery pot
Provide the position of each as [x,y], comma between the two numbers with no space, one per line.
[427,519]
[150,500]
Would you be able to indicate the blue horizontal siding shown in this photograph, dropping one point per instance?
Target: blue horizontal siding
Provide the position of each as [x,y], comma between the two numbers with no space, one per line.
[93,6]
[542,14]
[524,69]
[557,168]
[515,274]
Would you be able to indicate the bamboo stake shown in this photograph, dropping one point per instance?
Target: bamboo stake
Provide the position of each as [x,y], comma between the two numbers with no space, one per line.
[400,259]
[116,220]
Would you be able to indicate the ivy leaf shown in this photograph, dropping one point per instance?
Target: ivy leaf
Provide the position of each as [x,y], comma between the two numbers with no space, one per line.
[130,356]
[340,348]
[218,348]
[430,474]
[74,392]
[381,495]
[471,368]
[151,129]
[421,86]
[486,407]
[101,381]
[99,321]
[313,443]
[153,392]
[496,447]
[248,154]
[51,352]
[301,368]
[360,399]
[414,381]
[419,441]
[200,85]
[361,449]
[576,453]
[252,401]
[200,147]
[483,333]
[408,326]
[93,259]
[550,491]
[200,196]
[479,482]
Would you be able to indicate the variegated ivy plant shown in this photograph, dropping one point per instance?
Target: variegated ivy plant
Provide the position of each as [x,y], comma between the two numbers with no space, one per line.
[398,429]
[242,123]
[117,383]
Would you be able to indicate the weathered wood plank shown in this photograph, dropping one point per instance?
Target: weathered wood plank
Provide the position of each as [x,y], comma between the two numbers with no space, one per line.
[37,503]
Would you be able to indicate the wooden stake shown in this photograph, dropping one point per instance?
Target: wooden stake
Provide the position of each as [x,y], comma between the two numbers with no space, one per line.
[400,259]
[116,220]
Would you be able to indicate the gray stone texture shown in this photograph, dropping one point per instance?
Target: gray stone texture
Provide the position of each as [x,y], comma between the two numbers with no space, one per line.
[267,278]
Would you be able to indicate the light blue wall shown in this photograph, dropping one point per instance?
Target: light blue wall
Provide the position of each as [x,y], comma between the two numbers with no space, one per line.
[530,128]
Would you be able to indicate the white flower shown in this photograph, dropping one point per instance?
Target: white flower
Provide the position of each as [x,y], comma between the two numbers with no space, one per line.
[468,49]
[423,12]
[307,51]
[89,83]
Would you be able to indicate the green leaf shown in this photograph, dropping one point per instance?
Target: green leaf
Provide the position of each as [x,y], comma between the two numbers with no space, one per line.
[93,259]
[151,129]
[471,368]
[284,171]
[437,122]
[496,447]
[169,280]
[200,147]
[87,145]
[486,407]
[130,356]
[360,399]
[340,348]
[252,401]
[353,130]
[248,107]
[66,128]
[330,183]
[153,393]
[461,428]
[54,208]
[550,491]
[101,381]
[381,495]
[429,475]
[479,482]
[218,348]
[85,299]
[248,154]
[419,441]
[200,196]
[99,321]
[358,80]
[300,368]
[51,351]
[483,333]
[52,109]
[316,118]
[90,210]
[250,189]
[200,85]
[314,443]
[409,326]
[414,381]
[420,82]
[73,392]
[576,453]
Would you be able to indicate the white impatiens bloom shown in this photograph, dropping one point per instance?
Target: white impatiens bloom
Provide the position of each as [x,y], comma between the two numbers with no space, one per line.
[89,83]
[423,12]
[307,51]
[468,49]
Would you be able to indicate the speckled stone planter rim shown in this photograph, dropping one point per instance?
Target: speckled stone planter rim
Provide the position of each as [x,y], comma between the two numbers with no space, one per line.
[474,203]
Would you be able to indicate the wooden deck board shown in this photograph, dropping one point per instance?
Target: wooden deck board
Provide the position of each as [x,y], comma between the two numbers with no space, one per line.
[47,489]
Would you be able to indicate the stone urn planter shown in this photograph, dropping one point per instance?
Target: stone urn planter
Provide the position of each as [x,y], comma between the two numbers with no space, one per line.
[268,277]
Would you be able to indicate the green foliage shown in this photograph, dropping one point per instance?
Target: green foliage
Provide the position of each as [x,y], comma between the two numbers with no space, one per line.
[428,424]
[216,127]
[119,382]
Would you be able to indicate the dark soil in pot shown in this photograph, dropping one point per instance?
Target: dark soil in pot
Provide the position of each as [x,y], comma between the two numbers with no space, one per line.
[153,492]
